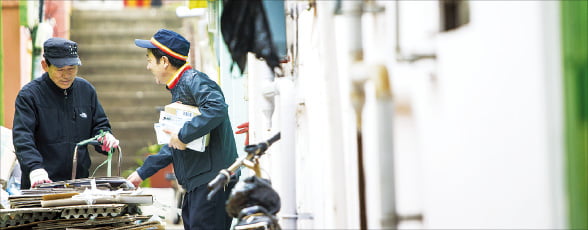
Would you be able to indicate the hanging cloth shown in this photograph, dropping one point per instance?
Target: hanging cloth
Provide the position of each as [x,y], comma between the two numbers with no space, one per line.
[245,29]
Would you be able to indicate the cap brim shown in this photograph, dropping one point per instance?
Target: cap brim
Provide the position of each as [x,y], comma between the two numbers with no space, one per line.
[61,62]
[144,43]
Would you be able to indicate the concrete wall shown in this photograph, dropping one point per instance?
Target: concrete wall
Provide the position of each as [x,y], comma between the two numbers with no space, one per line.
[477,131]
[492,143]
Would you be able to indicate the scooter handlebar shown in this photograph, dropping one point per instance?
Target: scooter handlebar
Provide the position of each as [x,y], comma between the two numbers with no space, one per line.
[224,176]
[259,149]
[218,182]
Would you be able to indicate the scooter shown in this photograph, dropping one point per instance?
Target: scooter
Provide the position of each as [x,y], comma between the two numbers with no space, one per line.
[253,201]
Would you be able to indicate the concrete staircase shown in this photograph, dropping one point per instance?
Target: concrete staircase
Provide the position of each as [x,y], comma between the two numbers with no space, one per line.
[117,68]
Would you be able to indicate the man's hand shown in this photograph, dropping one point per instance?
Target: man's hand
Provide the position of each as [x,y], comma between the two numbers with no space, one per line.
[108,142]
[39,176]
[175,142]
[135,179]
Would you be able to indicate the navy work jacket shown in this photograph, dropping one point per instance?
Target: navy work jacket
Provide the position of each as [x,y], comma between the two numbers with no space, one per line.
[194,168]
[50,121]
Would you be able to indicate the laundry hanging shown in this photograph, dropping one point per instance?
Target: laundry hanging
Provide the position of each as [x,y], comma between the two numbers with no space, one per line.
[245,28]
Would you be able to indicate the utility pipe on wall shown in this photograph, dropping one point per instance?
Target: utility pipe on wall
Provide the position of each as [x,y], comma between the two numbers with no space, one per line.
[268,92]
[379,148]
[350,13]
[286,158]
[336,215]
[260,82]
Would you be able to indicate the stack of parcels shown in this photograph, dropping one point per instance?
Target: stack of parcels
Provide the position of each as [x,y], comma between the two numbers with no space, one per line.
[173,118]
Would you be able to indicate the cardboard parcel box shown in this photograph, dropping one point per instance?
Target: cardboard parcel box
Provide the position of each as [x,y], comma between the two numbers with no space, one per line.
[173,118]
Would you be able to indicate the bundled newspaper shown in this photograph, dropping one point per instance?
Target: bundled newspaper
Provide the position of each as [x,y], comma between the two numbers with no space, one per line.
[173,118]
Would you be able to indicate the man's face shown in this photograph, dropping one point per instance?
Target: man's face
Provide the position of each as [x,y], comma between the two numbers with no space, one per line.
[157,69]
[63,77]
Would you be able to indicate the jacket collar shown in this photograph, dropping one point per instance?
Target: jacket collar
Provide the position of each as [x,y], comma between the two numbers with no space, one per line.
[54,87]
[176,78]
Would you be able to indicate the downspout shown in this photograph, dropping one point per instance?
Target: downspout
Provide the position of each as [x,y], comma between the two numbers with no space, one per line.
[379,150]
[350,13]
[261,92]
[286,157]
[336,204]
[268,93]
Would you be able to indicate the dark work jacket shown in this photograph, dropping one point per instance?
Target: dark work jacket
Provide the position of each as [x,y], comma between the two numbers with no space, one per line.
[194,168]
[49,121]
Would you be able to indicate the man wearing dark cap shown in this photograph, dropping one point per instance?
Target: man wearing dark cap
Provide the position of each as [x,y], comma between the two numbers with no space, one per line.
[53,113]
[167,52]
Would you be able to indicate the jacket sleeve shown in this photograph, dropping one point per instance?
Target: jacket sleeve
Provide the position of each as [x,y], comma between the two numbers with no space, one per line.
[23,138]
[99,117]
[100,120]
[154,163]
[211,103]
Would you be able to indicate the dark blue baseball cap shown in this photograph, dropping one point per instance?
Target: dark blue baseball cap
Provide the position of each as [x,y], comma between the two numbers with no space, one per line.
[169,42]
[61,52]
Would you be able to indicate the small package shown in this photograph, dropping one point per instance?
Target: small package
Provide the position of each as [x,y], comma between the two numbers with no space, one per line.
[181,110]
[173,118]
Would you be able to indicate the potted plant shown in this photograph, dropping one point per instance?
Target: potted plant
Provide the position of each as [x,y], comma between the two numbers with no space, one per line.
[160,178]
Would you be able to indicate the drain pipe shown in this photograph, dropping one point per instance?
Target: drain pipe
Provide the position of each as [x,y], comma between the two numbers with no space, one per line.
[379,151]
[336,205]
[358,101]
[268,93]
[260,82]
[286,158]
[350,13]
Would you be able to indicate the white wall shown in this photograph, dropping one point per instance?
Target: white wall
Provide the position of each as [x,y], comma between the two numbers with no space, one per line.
[477,132]
[485,122]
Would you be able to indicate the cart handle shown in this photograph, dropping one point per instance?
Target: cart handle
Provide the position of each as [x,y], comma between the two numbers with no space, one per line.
[91,141]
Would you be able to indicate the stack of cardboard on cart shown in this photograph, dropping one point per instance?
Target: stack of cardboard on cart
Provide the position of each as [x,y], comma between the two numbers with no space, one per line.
[173,118]
[67,207]
[89,203]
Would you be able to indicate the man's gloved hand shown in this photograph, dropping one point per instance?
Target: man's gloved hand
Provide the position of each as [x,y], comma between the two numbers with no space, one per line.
[108,142]
[135,179]
[39,176]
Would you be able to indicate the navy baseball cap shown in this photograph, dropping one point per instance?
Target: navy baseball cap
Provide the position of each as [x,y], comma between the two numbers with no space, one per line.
[61,52]
[169,42]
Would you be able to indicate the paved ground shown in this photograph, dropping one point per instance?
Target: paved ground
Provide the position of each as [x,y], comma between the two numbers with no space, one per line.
[164,205]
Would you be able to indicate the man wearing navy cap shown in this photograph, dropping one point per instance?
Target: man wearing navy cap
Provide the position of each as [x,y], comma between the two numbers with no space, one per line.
[52,114]
[167,52]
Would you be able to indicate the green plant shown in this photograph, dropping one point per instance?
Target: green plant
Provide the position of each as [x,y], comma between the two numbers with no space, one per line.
[145,151]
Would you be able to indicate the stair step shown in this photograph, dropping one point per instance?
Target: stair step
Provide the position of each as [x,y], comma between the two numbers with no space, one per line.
[144,132]
[113,35]
[107,24]
[109,66]
[136,14]
[134,99]
[115,51]
[125,16]
[114,77]
[133,86]
[137,114]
